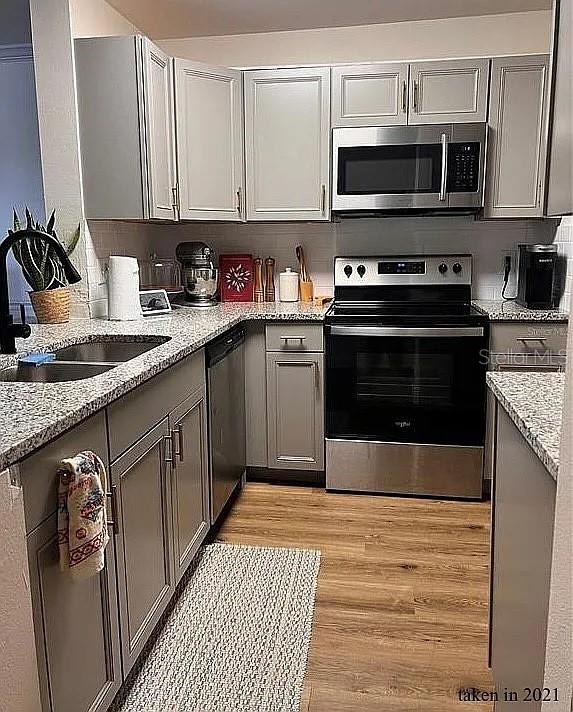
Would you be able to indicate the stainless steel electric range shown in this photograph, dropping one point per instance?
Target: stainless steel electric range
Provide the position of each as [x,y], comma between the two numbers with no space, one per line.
[406,358]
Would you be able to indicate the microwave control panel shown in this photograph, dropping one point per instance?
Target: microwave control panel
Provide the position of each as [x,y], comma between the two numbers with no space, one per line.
[463,167]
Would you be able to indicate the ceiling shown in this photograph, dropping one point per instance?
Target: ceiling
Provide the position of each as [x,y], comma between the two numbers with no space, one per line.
[195,18]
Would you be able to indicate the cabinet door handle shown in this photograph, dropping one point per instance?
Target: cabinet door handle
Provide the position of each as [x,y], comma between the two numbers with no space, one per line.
[175,201]
[323,199]
[178,452]
[415,98]
[239,202]
[293,338]
[317,375]
[527,339]
[168,454]
[113,522]
[404,96]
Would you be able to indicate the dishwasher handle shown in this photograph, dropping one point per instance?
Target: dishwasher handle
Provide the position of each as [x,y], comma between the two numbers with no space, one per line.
[223,346]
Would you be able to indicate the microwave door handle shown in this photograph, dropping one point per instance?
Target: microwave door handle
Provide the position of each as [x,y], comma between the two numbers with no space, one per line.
[444,178]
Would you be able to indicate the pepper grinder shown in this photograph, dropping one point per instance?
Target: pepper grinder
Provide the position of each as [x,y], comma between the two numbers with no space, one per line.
[259,293]
[269,280]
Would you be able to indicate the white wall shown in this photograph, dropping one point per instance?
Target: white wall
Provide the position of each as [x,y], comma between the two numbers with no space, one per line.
[58,126]
[564,240]
[96,18]
[512,33]
[20,163]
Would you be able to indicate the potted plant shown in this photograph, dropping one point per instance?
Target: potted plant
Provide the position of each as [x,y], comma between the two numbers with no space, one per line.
[42,269]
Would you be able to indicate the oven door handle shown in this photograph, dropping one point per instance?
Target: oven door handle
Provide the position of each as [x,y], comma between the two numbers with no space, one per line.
[417,332]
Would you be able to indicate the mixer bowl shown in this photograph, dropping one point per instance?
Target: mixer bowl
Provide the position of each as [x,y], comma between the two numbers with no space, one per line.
[200,283]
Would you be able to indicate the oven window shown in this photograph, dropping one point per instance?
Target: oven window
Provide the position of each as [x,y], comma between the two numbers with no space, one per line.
[406,389]
[409,379]
[389,169]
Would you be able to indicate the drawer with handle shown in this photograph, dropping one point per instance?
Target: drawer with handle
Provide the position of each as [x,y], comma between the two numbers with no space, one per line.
[294,337]
[530,338]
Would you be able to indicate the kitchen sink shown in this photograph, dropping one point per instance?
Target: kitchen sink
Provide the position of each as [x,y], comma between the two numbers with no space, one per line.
[52,372]
[107,352]
[84,360]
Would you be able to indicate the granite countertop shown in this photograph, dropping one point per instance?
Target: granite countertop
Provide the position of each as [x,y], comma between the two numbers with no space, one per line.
[32,414]
[534,401]
[500,310]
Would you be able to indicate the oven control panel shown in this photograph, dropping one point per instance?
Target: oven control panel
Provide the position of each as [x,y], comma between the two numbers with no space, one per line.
[399,270]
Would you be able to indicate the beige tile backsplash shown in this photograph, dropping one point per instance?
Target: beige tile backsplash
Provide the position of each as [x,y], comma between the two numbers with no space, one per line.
[487,241]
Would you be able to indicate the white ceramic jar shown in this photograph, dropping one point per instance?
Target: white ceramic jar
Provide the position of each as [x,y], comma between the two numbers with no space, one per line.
[288,286]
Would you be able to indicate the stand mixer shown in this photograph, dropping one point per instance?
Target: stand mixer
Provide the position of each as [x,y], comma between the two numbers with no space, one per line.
[199,275]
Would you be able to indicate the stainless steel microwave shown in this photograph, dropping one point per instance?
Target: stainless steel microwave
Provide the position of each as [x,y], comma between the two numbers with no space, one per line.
[397,168]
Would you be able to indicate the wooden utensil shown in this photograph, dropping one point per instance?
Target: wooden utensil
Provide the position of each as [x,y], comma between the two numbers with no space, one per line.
[304,276]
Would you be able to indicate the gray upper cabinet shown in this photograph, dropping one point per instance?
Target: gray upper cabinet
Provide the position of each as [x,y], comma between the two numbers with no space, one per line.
[370,95]
[126,124]
[209,111]
[76,627]
[145,572]
[386,94]
[287,133]
[517,137]
[160,131]
[448,91]
[295,410]
[189,477]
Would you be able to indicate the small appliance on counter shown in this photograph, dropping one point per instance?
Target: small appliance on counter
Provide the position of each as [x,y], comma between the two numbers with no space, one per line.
[199,275]
[123,289]
[537,281]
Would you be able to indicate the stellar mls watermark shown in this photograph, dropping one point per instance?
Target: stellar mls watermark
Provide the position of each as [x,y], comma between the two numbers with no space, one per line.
[532,359]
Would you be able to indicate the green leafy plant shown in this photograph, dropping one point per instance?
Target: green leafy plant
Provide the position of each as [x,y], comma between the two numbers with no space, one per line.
[40,264]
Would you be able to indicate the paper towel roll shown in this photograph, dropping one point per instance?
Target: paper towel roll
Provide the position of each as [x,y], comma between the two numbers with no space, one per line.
[123,289]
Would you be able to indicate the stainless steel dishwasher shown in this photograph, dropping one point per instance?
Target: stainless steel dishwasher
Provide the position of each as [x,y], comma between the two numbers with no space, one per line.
[226,383]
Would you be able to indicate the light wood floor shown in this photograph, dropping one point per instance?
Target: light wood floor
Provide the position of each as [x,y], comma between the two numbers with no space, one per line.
[401,611]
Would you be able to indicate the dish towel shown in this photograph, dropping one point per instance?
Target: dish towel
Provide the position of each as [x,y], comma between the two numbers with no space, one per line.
[82,520]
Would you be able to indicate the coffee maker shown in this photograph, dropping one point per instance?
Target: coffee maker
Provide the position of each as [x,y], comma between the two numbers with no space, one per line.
[199,274]
[537,286]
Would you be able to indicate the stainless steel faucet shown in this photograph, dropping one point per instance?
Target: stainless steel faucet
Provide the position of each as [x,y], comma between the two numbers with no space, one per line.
[8,330]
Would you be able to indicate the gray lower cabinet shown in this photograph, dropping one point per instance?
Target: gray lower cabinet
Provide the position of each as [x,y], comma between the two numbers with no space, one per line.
[142,490]
[524,506]
[521,347]
[77,628]
[189,476]
[295,410]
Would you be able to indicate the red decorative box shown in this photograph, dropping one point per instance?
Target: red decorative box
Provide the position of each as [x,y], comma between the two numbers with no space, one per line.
[236,278]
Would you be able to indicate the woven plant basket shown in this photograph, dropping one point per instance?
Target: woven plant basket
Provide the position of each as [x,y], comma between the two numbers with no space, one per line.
[52,306]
